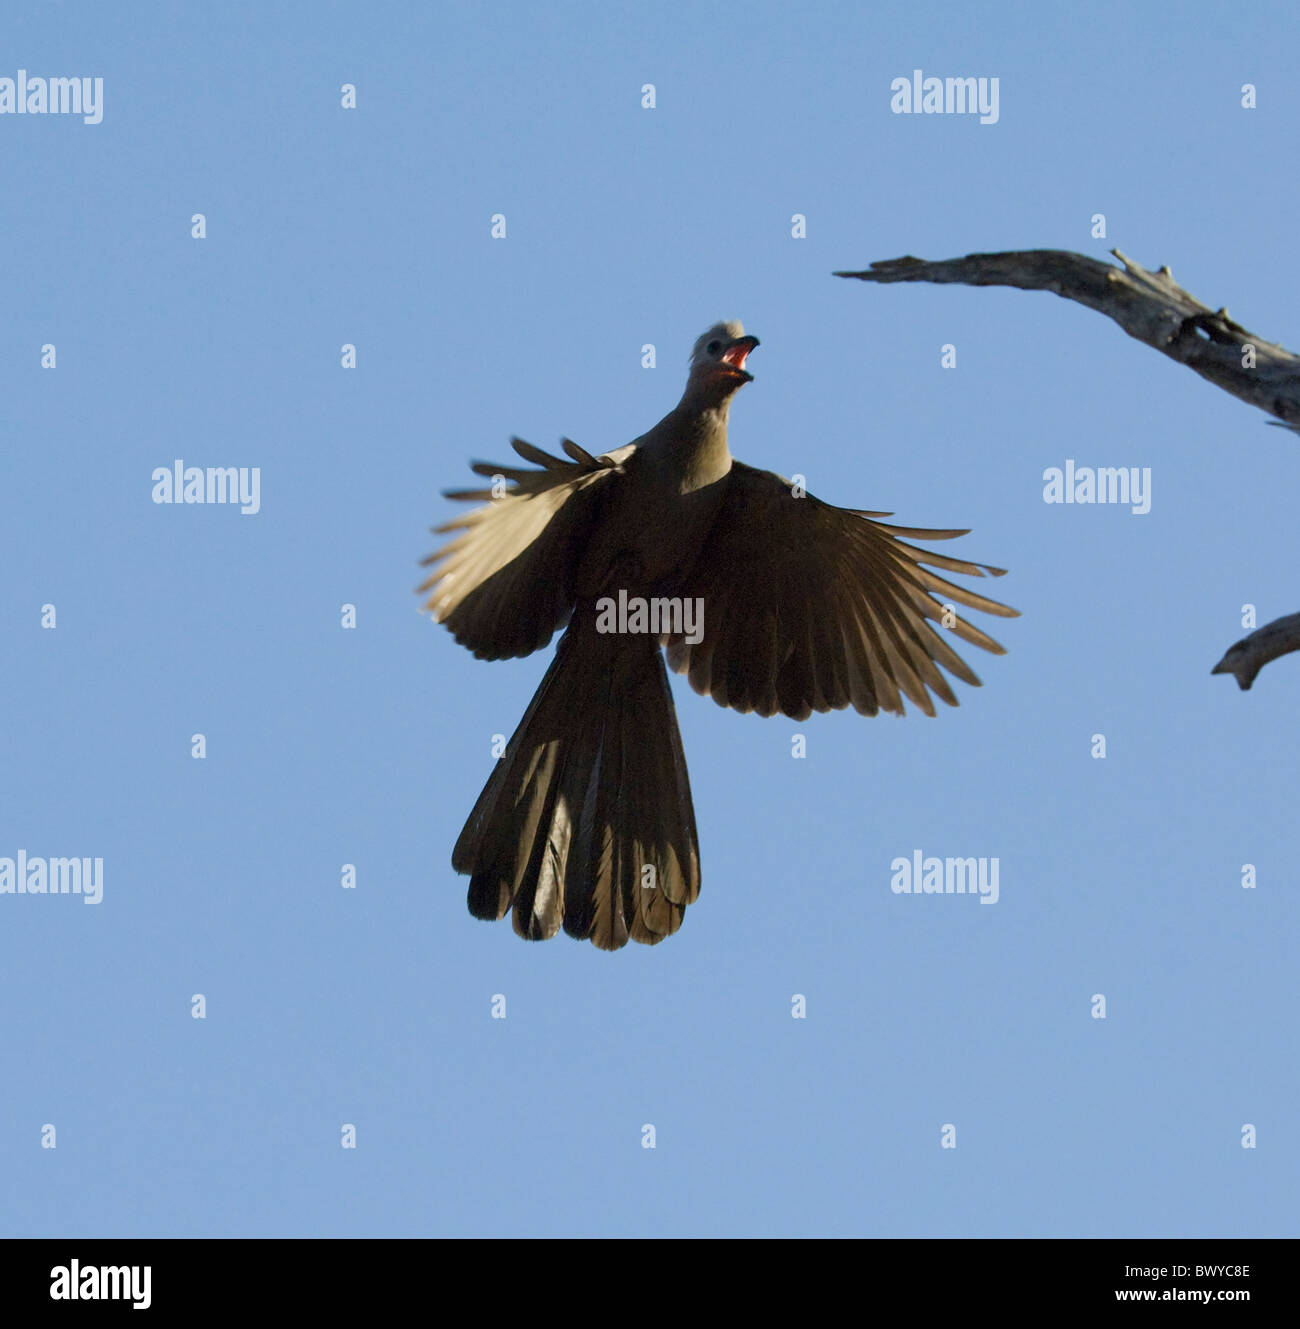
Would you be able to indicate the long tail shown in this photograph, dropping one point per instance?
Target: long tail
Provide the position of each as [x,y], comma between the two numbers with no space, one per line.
[587,822]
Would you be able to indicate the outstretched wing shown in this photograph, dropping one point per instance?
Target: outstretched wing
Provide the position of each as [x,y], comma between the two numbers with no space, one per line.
[505,583]
[809,607]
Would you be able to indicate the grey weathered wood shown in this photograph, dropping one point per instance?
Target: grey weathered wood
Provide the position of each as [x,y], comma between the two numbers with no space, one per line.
[1149,306]
[1153,308]
[1244,659]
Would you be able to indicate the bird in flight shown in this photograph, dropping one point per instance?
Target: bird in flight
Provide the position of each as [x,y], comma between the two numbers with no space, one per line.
[766,598]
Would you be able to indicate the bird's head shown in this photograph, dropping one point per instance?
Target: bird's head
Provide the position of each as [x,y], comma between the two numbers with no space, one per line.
[718,362]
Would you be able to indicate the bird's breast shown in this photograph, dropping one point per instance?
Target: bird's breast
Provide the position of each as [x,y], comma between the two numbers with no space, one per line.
[652,530]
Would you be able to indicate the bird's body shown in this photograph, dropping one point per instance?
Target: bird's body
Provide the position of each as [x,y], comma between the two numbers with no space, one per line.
[587,821]
[653,526]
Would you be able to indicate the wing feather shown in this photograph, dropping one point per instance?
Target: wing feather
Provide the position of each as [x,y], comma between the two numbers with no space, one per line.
[812,607]
[505,582]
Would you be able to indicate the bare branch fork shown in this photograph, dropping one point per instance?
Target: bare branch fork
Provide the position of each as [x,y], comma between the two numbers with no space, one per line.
[1152,308]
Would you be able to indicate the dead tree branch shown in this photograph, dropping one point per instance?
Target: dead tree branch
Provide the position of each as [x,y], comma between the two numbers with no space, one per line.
[1153,308]
[1149,306]
[1244,659]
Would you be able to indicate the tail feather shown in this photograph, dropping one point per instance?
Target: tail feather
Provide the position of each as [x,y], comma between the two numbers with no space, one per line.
[586,823]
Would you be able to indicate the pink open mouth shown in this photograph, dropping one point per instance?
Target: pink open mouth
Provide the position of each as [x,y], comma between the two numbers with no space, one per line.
[736,355]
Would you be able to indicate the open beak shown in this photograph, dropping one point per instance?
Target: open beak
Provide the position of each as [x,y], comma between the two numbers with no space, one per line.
[737,353]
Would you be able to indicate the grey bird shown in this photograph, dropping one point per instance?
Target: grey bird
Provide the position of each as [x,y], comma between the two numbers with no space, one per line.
[586,822]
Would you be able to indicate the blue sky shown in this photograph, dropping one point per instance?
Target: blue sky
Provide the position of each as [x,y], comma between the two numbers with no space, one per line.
[627,226]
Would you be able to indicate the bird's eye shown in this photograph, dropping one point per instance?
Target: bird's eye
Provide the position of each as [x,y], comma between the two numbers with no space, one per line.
[713,347]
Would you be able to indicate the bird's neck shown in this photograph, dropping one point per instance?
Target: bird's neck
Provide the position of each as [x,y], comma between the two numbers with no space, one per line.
[698,440]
